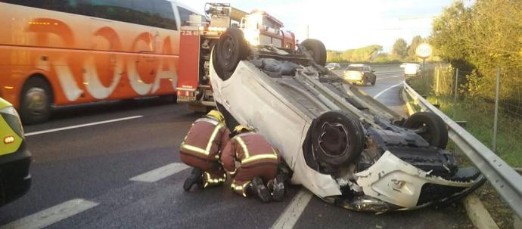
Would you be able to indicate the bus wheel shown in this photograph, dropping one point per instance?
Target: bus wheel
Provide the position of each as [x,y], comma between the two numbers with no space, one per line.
[430,127]
[229,50]
[35,104]
[316,49]
[337,138]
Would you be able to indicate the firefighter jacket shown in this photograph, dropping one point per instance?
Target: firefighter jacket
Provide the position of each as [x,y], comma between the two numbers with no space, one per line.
[248,149]
[205,139]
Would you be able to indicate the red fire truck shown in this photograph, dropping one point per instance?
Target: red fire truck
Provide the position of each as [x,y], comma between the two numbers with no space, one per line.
[199,36]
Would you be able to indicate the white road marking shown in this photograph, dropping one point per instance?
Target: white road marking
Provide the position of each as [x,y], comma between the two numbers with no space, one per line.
[82,125]
[382,78]
[294,210]
[380,93]
[160,173]
[52,215]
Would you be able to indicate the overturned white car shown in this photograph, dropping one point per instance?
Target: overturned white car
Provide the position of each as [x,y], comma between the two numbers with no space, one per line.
[341,144]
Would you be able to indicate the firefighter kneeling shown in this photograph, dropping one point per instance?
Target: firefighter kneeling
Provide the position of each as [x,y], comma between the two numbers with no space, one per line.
[257,166]
[201,149]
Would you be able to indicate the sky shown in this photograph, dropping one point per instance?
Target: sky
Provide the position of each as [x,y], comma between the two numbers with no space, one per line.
[348,24]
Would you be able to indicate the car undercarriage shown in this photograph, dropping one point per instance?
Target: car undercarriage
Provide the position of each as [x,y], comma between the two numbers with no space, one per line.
[341,144]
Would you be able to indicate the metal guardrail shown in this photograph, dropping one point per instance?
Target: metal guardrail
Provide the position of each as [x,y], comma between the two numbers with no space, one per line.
[502,177]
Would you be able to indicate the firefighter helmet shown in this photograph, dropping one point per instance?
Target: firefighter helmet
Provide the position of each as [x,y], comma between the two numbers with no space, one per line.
[215,114]
[241,128]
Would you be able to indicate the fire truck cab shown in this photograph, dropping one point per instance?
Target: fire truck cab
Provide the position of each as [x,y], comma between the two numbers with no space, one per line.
[200,34]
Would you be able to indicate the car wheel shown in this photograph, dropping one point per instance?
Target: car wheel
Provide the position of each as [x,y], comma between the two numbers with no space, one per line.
[316,49]
[35,104]
[337,138]
[229,50]
[373,82]
[430,127]
[364,81]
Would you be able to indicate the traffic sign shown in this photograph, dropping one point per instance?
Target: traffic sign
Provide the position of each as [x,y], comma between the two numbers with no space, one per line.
[423,50]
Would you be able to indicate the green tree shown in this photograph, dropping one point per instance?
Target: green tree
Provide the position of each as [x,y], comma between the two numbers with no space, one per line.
[400,49]
[497,28]
[415,42]
[450,34]
[481,38]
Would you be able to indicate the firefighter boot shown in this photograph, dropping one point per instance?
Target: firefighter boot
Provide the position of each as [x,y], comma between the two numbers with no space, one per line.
[196,177]
[212,180]
[277,187]
[258,188]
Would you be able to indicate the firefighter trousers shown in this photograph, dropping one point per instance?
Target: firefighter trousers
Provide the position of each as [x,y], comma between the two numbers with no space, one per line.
[213,175]
[245,173]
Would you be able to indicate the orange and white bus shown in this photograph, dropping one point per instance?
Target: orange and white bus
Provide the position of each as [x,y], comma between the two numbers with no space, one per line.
[63,52]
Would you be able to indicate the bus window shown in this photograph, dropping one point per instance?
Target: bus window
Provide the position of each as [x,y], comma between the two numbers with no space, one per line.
[165,13]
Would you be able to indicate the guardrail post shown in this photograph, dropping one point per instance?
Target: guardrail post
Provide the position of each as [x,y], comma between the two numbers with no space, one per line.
[495,122]
[456,84]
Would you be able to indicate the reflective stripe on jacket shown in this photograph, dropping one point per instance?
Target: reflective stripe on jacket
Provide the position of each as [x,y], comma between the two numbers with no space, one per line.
[248,148]
[205,139]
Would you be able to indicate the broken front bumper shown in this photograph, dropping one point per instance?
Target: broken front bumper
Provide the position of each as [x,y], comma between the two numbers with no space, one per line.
[393,184]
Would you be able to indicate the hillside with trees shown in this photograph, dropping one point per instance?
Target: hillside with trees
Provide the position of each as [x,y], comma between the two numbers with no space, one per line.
[364,54]
[401,52]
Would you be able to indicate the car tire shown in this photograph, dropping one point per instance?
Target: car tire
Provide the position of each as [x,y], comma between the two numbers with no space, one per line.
[316,49]
[229,50]
[430,127]
[364,81]
[337,138]
[35,102]
[373,82]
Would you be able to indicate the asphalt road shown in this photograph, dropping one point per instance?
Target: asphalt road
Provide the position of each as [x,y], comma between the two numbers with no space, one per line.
[116,165]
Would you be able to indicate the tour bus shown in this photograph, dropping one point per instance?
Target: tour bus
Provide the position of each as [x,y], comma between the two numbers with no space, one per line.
[63,52]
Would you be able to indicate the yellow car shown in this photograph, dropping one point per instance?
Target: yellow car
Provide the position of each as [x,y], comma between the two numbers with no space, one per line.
[359,74]
[15,159]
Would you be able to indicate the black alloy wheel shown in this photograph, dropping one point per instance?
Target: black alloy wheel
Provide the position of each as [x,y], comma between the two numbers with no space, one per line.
[337,138]
[430,127]
[229,50]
